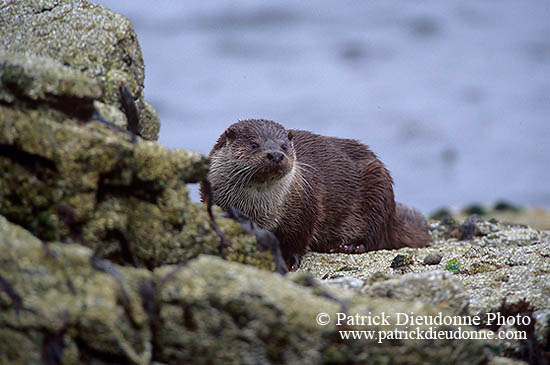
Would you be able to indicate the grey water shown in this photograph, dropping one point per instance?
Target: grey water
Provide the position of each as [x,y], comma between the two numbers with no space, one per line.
[453,96]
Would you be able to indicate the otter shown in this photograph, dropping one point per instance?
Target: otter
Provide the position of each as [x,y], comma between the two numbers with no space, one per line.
[315,193]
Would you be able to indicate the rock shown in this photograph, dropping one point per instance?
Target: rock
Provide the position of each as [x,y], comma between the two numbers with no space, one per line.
[347,283]
[503,211]
[85,37]
[498,360]
[43,80]
[475,209]
[66,176]
[401,261]
[79,181]
[59,304]
[469,228]
[102,251]
[505,262]
[437,287]
[261,318]
[433,258]
[57,308]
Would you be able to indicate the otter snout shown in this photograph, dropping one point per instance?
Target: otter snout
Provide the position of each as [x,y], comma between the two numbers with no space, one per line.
[275,157]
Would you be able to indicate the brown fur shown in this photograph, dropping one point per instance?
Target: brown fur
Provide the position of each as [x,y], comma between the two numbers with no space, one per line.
[340,192]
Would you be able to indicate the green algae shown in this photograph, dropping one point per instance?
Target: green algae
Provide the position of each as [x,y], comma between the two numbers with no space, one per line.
[453,266]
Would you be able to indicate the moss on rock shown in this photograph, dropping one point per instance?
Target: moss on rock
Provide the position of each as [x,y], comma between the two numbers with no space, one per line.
[91,40]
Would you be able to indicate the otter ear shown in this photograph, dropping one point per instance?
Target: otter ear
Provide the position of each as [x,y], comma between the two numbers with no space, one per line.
[230,134]
[290,135]
[225,138]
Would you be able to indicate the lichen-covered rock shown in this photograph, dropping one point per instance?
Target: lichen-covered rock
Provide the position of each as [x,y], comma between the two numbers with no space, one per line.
[517,254]
[59,304]
[56,308]
[436,287]
[65,175]
[82,36]
[127,201]
[220,312]
[102,206]
[500,262]
[65,178]
[42,79]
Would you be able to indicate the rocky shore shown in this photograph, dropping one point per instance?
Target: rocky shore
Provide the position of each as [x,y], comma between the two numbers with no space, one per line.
[105,259]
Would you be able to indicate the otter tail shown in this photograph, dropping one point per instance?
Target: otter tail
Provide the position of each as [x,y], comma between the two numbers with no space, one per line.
[413,227]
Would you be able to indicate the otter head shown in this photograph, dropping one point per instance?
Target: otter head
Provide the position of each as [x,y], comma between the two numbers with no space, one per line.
[258,151]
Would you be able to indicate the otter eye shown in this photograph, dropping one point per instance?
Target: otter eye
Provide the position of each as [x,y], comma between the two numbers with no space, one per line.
[255,145]
[283,147]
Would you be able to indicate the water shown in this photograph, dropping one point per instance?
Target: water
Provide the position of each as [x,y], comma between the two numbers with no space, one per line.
[454,97]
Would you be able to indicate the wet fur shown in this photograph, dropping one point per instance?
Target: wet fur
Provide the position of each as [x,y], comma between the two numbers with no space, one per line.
[334,191]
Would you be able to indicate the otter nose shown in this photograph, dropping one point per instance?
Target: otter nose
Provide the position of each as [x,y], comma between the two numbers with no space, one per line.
[276,157]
